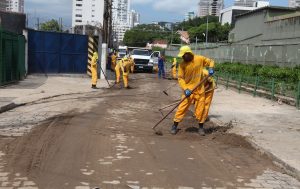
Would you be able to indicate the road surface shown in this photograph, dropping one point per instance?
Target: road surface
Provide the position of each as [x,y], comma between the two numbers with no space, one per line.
[111,145]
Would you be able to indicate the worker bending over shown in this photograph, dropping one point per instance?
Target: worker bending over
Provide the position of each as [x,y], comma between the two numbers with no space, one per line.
[174,68]
[113,60]
[124,65]
[190,74]
[94,70]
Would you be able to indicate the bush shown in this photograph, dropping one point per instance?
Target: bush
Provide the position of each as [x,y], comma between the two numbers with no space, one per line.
[289,75]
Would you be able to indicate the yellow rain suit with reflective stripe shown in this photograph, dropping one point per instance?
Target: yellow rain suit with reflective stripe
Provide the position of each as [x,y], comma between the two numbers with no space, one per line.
[94,68]
[174,69]
[189,76]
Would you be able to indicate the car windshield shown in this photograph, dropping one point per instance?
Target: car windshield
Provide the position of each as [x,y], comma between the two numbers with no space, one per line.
[141,52]
[122,51]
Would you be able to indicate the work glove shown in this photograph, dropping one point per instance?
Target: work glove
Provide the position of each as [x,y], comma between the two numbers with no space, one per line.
[211,71]
[187,92]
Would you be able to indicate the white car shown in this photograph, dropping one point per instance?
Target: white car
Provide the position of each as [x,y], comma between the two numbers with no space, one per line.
[144,59]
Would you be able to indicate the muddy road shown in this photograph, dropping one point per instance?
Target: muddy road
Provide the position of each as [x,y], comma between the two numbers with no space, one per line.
[113,146]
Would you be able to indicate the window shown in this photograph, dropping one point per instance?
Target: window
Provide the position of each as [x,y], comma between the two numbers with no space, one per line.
[78,20]
[78,5]
[78,15]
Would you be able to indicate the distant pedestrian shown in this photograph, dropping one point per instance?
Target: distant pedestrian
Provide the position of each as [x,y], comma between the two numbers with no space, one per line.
[161,67]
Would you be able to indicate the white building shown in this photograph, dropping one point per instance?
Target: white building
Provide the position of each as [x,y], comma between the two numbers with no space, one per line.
[294,3]
[210,7]
[251,3]
[122,18]
[87,12]
[189,16]
[134,18]
[15,6]
[228,14]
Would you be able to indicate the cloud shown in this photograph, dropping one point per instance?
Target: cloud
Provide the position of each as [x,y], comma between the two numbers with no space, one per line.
[169,6]
[141,1]
[176,6]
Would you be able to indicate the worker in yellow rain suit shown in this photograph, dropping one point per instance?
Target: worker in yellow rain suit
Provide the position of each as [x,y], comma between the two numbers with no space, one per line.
[118,71]
[132,64]
[113,60]
[94,70]
[174,68]
[210,86]
[125,66]
[190,73]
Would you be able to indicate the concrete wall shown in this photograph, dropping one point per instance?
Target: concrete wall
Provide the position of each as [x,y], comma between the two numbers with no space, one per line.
[277,41]
[13,22]
[281,55]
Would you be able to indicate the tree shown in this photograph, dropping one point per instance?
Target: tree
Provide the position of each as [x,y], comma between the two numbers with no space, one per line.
[51,25]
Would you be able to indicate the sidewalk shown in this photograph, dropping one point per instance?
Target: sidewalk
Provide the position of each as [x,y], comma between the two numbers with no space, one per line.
[38,87]
[272,128]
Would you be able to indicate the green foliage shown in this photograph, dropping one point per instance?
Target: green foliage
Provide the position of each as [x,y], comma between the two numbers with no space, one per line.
[140,35]
[51,25]
[288,75]
[186,25]
[216,32]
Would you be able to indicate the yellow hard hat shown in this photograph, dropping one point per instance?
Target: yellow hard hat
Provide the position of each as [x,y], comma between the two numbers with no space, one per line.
[184,49]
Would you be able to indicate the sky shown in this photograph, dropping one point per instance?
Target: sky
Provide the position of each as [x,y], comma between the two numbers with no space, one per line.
[150,10]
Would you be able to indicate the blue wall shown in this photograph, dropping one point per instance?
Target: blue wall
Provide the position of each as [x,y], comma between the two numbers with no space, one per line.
[50,52]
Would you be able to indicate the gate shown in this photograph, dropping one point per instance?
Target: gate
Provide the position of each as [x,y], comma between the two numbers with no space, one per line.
[12,57]
[50,52]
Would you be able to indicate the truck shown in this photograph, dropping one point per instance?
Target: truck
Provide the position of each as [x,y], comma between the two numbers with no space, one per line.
[122,51]
[144,59]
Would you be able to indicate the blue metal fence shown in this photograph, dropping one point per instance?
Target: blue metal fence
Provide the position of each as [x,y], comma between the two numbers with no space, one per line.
[50,52]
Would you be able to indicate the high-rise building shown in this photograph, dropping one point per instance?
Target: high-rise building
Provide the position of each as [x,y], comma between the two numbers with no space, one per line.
[134,18]
[87,12]
[15,6]
[210,7]
[189,16]
[294,3]
[251,3]
[122,18]
[3,5]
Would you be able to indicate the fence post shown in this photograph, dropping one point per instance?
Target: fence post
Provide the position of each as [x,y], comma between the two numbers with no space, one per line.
[298,96]
[256,86]
[227,82]
[240,83]
[217,80]
[273,89]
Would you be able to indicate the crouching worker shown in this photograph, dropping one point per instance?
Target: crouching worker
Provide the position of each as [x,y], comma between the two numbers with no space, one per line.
[190,74]
[125,66]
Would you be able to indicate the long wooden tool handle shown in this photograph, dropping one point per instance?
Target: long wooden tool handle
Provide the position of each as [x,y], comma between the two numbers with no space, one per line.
[177,101]
[200,83]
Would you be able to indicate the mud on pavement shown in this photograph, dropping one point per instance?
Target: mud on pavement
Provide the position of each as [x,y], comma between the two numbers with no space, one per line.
[113,146]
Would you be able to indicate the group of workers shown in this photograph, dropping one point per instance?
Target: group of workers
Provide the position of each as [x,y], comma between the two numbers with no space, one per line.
[191,71]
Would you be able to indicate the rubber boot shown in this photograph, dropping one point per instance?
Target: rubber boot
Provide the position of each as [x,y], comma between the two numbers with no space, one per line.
[201,130]
[94,87]
[174,130]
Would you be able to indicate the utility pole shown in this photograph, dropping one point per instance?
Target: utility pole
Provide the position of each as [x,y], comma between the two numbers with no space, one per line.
[61,25]
[206,35]
[172,35]
[196,43]
[38,24]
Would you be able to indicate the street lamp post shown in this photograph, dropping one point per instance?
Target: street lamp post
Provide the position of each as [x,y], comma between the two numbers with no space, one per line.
[206,35]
